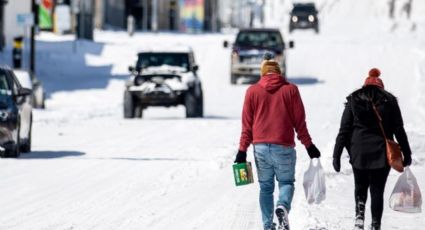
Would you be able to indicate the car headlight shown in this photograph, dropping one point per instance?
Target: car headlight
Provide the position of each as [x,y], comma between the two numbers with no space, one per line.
[235,57]
[139,80]
[279,59]
[311,18]
[5,115]
[294,18]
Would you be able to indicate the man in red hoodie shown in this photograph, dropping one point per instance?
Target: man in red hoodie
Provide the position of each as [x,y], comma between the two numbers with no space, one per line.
[272,111]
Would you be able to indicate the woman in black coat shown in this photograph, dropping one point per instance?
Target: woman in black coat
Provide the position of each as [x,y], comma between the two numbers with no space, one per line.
[361,135]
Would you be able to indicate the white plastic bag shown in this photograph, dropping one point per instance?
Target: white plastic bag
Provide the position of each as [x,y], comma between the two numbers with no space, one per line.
[314,183]
[406,196]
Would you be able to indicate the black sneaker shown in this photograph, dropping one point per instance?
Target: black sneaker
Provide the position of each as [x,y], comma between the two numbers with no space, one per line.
[359,223]
[282,216]
[360,210]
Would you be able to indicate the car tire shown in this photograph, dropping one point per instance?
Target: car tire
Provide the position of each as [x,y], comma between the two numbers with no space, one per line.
[26,146]
[233,79]
[138,112]
[14,151]
[38,104]
[43,103]
[34,101]
[316,29]
[129,108]
[284,69]
[194,106]
[200,106]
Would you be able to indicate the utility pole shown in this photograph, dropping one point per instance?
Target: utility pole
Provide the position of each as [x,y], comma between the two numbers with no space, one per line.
[263,6]
[2,5]
[154,16]
[214,21]
[145,14]
[34,9]
[252,8]
[82,22]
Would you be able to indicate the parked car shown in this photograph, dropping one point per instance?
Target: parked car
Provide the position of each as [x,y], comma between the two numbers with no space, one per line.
[15,115]
[29,81]
[248,51]
[304,16]
[164,77]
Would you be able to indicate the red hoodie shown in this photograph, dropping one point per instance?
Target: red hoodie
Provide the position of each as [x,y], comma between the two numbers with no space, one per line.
[272,110]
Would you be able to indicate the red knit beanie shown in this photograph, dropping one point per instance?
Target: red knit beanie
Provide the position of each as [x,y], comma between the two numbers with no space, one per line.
[373,78]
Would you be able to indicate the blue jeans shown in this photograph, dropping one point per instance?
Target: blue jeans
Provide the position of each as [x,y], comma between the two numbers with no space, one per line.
[274,161]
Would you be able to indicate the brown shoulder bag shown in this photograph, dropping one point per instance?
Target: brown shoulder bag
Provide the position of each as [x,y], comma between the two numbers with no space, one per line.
[394,154]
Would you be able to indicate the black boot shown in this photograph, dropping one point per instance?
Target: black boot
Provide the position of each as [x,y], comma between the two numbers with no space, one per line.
[375,225]
[360,213]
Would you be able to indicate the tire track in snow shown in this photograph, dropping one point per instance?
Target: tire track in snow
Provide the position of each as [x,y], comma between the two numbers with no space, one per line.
[246,214]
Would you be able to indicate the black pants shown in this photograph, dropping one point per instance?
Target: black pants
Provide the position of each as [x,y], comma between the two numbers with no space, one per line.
[375,179]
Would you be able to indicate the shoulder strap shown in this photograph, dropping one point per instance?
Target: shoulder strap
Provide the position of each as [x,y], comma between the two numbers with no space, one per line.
[379,118]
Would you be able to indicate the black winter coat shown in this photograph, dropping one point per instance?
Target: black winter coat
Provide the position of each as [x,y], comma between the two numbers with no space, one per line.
[360,133]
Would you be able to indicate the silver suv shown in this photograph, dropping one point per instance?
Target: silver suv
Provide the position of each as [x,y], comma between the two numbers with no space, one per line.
[164,77]
[248,51]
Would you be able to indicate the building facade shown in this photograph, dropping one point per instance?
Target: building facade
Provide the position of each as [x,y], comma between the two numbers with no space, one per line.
[10,26]
[244,13]
[212,20]
[162,15]
[114,13]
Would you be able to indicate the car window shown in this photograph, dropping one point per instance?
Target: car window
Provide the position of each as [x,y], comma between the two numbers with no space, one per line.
[23,78]
[16,84]
[5,88]
[159,59]
[301,9]
[259,39]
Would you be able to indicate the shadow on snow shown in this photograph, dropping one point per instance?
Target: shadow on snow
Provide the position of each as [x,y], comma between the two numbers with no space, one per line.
[183,118]
[145,159]
[297,80]
[50,155]
[62,67]
[37,155]
[305,80]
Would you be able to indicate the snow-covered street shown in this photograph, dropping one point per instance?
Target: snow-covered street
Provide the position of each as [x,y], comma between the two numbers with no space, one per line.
[92,169]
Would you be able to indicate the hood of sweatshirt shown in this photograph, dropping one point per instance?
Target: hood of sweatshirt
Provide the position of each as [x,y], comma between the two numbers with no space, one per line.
[272,82]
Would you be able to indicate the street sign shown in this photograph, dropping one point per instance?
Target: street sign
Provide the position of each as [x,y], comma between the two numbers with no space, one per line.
[25,19]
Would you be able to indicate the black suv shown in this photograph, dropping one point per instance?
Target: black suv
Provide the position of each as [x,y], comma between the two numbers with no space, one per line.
[15,115]
[248,51]
[304,16]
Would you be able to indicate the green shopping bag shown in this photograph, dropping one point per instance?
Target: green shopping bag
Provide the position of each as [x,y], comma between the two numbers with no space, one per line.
[243,173]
